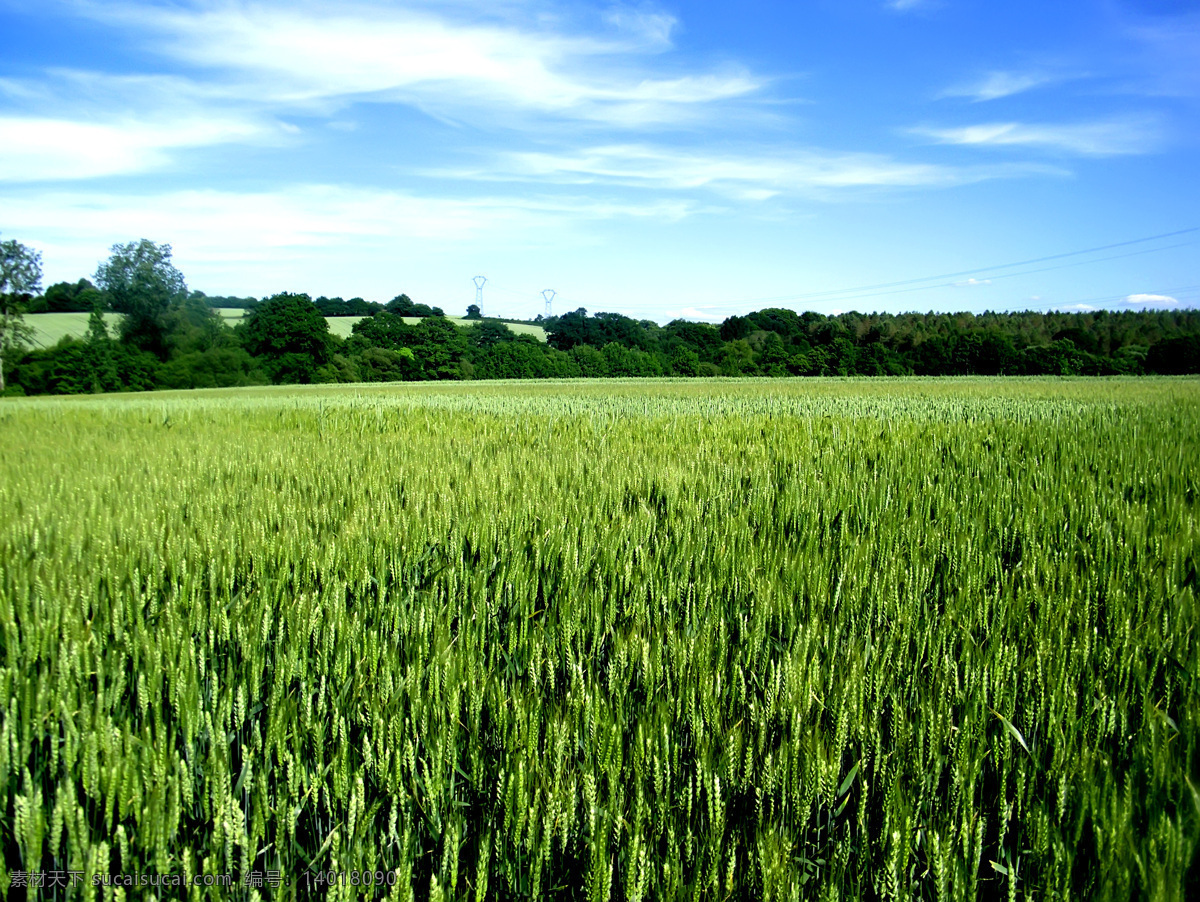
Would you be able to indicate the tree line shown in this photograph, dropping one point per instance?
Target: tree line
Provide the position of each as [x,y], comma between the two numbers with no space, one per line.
[169,337]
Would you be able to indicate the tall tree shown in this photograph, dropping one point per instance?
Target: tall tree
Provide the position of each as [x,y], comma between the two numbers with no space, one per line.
[143,284]
[288,332]
[20,278]
[100,352]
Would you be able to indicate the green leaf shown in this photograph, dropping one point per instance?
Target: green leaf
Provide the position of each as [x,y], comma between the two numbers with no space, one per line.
[1016,733]
[849,779]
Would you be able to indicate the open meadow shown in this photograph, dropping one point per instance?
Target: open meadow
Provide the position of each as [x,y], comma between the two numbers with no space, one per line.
[746,639]
[50,328]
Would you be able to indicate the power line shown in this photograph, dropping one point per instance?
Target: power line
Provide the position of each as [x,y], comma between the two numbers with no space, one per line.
[1108,299]
[979,270]
[905,286]
[1027,272]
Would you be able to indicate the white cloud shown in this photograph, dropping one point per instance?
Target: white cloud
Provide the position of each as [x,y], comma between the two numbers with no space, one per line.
[34,149]
[456,68]
[245,228]
[1132,135]
[1075,308]
[747,177]
[973,282]
[995,85]
[253,62]
[1150,300]
[652,28]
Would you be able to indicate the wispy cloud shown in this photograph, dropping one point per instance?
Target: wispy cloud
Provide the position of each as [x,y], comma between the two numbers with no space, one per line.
[745,177]
[1167,38]
[654,28]
[1112,137]
[908,5]
[971,283]
[997,84]
[242,226]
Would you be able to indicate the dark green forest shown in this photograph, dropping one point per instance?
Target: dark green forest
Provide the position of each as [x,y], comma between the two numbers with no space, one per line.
[172,338]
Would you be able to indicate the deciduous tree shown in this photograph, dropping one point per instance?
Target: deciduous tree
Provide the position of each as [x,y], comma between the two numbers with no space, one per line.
[143,284]
[289,333]
[20,278]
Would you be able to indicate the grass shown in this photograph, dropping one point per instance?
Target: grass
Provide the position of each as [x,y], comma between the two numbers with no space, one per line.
[774,639]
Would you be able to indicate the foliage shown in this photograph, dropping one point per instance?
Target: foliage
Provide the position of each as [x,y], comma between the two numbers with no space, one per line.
[196,348]
[20,277]
[930,639]
[68,297]
[383,330]
[290,335]
[217,367]
[780,342]
[1175,355]
[402,305]
[352,307]
[386,365]
[20,269]
[486,333]
[74,367]
[440,346]
[223,301]
[142,283]
[522,358]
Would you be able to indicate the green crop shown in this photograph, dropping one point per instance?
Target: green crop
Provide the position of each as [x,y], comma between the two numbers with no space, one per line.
[648,640]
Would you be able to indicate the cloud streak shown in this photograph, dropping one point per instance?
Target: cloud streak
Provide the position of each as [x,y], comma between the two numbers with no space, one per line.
[745,177]
[1113,137]
[228,225]
[999,84]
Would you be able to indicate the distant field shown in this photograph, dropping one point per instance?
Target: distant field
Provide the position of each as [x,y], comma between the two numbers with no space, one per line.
[341,325]
[49,328]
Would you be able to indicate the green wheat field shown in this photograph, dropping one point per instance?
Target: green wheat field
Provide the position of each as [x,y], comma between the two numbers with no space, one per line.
[780,639]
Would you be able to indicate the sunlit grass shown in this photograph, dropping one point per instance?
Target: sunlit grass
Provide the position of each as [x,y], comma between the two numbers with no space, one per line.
[748,639]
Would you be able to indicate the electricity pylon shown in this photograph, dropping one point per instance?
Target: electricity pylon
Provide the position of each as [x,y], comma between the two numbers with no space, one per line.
[479,281]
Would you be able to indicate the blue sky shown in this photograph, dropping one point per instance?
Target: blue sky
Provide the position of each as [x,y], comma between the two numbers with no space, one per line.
[686,159]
